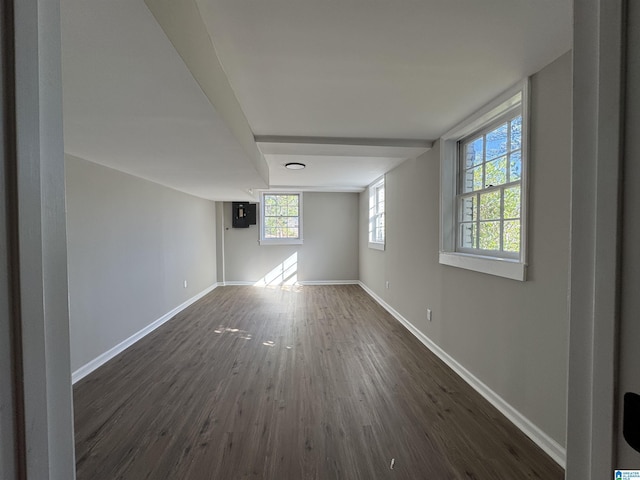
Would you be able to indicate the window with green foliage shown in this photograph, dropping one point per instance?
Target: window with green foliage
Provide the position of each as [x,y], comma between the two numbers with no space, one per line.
[281,218]
[483,188]
[489,193]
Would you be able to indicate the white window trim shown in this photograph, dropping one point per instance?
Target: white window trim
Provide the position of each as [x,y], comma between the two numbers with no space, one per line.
[493,265]
[372,187]
[281,241]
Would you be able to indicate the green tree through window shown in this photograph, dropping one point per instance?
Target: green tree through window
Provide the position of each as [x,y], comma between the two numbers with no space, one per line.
[489,200]
[281,216]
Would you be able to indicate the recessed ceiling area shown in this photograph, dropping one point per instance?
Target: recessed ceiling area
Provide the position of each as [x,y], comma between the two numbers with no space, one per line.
[332,164]
[212,97]
[328,173]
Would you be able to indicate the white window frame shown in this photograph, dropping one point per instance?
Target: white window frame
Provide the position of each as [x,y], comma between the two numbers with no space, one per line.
[280,241]
[493,264]
[373,217]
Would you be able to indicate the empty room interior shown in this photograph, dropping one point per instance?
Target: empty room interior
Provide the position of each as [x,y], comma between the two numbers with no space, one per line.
[318,239]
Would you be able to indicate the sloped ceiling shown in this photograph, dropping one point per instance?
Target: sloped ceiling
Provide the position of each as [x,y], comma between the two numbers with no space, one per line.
[175,90]
[130,103]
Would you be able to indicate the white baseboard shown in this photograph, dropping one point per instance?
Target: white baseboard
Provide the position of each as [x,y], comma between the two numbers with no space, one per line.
[556,451]
[304,282]
[109,354]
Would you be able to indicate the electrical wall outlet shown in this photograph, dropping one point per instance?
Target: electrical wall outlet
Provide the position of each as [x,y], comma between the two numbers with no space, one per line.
[185,284]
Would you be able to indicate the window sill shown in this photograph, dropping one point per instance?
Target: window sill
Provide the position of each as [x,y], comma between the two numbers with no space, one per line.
[376,246]
[500,267]
[281,241]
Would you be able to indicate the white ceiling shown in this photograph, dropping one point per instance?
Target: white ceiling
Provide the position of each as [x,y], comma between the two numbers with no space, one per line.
[371,82]
[130,103]
[333,165]
[379,68]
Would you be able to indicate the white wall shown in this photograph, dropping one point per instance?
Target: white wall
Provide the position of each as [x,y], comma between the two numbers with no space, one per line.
[131,245]
[329,252]
[511,335]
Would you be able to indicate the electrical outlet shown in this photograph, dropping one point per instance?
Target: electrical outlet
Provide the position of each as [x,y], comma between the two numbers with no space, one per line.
[429,314]
[386,284]
[185,284]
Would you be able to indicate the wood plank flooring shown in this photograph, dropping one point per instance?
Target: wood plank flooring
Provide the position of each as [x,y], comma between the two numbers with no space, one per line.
[314,382]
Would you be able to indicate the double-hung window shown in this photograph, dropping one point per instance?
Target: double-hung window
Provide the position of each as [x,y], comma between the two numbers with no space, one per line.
[489,189]
[376,215]
[483,189]
[281,218]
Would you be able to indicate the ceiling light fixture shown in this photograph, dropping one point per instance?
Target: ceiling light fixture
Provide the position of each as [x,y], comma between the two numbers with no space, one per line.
[294,165]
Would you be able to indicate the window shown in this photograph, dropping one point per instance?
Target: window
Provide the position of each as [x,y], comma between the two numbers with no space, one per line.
[376,215]
[489,190]
[483,188]
[281,218]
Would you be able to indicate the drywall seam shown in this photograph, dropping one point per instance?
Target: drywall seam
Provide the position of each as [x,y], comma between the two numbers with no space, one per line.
[100,360]
[556,451]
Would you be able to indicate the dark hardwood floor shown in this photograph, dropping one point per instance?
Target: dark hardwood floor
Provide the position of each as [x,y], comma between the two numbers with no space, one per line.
[315,382]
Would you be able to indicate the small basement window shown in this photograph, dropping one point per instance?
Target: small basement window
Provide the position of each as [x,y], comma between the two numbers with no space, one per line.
[484,189]
[376,215]
[281,218]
